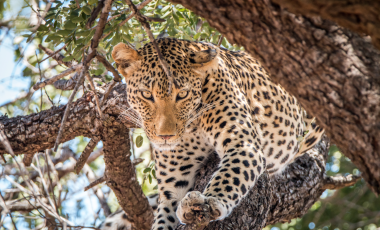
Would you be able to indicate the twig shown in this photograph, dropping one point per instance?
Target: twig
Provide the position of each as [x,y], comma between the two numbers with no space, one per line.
[94,183]
[94,14]
[48,165]
[38,169]
[86,153]
[77,3]
[39,70]
[89,79]
[6,210]
[137,161]
[108,91]
[68,105]
[92,54]
[338,182]
[55,55]
[220,40]
[69,84]
[57,77]
[4,140]
[109,67]
[23,96]
[143,20]
[139,7]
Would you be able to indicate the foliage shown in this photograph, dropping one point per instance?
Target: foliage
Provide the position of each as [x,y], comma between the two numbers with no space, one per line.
[62,26]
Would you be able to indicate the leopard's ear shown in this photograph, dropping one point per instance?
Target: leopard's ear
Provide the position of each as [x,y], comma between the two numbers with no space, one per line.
[202,57]
[125,57]
[206,57]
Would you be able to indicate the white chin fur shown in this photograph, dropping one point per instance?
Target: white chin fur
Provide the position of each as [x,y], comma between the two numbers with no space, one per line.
[163,147]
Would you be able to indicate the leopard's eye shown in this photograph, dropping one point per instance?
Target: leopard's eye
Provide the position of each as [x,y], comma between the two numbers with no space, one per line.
[183,94]
[147,95]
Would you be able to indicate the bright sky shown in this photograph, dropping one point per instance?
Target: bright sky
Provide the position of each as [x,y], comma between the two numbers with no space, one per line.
[10,87]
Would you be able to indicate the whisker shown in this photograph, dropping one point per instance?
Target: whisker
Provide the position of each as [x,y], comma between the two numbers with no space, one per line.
[198,111]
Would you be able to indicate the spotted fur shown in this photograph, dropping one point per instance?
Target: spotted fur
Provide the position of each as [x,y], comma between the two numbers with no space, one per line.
[221,101]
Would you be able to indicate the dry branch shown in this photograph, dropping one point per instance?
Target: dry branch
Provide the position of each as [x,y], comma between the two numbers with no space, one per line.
[94,14]
[69,84]
[57,77]
[86,153]
[109,67]
[55,55]
[68,105]
[89,79]
[95,182]
[86,63]
[139,7]
[338,182]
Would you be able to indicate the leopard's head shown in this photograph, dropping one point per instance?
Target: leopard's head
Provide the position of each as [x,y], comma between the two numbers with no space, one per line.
[163,115]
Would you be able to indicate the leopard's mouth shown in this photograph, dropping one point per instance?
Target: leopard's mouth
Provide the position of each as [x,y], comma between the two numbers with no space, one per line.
[164,146]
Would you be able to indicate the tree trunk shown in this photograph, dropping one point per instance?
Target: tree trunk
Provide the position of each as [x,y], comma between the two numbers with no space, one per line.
[334,73]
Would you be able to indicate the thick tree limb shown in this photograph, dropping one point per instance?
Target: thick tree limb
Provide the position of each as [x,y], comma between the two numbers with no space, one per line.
[334,73]
[358,16]
[120,174]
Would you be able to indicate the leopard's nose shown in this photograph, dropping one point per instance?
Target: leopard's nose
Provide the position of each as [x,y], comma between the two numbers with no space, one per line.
[166,137]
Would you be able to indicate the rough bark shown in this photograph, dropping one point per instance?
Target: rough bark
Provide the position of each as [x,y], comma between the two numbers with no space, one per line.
[120,174]
[359,16]
[333,72]
[36,132]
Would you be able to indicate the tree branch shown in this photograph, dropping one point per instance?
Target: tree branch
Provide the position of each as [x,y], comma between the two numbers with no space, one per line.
[338,182]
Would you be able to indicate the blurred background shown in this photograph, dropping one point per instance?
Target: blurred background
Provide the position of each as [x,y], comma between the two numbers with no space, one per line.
[60,26]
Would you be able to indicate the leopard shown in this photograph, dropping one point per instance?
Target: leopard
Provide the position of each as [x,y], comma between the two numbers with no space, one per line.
[194,99]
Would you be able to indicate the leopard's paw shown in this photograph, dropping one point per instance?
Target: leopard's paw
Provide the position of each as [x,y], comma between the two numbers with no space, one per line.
[195,208]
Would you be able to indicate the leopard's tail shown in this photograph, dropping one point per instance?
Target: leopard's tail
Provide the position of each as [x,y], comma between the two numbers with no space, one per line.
[311,136]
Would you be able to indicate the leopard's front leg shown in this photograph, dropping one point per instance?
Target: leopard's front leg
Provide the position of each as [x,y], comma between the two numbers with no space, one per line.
[237,142]
[238,171]
[176,170]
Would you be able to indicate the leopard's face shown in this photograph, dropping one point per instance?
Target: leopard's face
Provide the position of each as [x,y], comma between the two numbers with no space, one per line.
[163,114]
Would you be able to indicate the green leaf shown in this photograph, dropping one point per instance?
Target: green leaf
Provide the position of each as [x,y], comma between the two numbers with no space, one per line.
[53,37]
[83,33]
[155,187]
[150,179]
[42,28]
[139,141]
[165,8]
[166,14]
[69,25]
[127,37]
[86,10]
[68,58]
[154,173]
[92,2]
[63,32]
[147,170]
[77,19]
[196,36]
[125,28]
[98,72]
